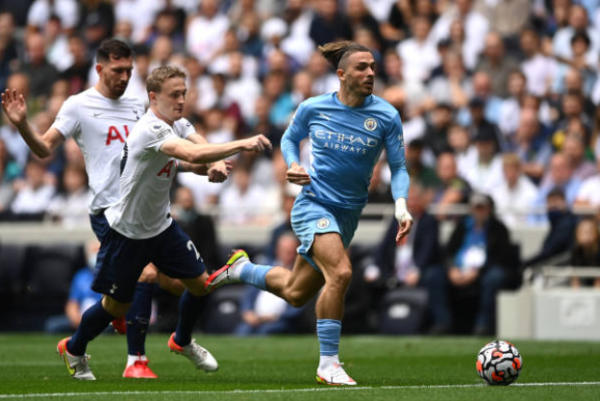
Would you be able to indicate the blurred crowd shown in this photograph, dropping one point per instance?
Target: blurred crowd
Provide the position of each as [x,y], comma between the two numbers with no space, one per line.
[498,97]
[499,102]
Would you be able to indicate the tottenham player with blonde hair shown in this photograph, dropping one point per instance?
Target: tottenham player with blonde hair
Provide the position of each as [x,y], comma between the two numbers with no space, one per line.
[348,130]
[100,120]
[141,228]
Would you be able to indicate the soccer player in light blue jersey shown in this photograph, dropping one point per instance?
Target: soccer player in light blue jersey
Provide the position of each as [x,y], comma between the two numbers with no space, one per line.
[348,130]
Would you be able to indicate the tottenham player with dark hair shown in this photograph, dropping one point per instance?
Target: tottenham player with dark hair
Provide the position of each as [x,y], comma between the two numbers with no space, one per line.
[348,130]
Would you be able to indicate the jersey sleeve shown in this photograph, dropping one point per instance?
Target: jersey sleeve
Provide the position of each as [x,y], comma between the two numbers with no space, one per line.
[67,119]
[185,128]
[295,132]
[394,147]
[157,134]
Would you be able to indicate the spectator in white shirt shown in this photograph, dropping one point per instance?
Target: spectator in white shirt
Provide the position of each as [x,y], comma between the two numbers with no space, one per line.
[589,192]
[242,201]
[515,194]
[538,68]
[205,31]
[298,43]
[33,194]
[243,89]
[71,207]
[578,21]
[419,54]
[475,24]
[510,109]
[486,171]
[41,11]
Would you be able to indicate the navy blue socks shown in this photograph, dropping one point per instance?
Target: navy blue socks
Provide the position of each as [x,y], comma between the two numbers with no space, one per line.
[93,322]
[189,308]
[138,318]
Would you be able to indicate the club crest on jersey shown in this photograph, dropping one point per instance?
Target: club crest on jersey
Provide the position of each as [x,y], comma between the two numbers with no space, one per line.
[159,129]
[323,223]
[370,124]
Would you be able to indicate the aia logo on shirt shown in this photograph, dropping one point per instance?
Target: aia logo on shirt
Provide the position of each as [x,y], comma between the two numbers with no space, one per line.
[115,135]
[167,168]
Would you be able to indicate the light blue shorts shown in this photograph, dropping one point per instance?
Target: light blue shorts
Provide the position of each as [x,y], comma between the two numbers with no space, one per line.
[310,218]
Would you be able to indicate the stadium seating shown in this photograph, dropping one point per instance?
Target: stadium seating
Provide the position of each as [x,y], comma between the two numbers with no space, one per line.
[35,283]
[403,311]
[222,310]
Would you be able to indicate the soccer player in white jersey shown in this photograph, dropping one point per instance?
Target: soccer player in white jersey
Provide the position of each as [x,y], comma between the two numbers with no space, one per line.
[141,228]
[100,120]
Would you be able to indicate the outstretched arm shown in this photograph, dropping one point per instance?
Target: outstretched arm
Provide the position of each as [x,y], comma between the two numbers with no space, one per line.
[216,172]
[206,153]
[15,109]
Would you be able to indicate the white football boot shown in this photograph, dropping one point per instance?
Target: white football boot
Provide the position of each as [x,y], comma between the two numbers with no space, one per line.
[334,375]
[199,356]
[77,366]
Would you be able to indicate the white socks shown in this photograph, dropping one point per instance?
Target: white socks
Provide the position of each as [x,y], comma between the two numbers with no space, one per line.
[327,360]
[131,359]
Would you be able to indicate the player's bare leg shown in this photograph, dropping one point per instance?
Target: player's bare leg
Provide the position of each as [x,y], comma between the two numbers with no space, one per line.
[331,257]
[297,286]
[181,341]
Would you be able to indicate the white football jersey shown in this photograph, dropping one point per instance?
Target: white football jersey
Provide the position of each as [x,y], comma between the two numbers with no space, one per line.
[142,210]
[100,126]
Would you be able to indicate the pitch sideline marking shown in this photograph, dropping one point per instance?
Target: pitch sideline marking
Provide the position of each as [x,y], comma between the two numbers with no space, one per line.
[292,390]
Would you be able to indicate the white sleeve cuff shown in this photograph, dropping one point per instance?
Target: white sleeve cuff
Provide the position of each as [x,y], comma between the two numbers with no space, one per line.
[401,212]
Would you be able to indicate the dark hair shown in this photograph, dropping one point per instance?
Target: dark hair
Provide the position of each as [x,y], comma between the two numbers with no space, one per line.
[556,192]
[581,35]
[337,52]
[114,48]
[141,50]
[417,143]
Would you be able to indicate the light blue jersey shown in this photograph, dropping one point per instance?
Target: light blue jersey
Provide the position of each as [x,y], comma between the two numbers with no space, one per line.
[346,144]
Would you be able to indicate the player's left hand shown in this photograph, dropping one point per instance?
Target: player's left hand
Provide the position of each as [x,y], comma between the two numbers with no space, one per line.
[404,229]
[219,171]
[405,220]
[297,175]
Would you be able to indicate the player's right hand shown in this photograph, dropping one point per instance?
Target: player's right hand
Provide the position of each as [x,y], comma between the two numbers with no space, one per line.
[297,175]
[14,106]
[257,143]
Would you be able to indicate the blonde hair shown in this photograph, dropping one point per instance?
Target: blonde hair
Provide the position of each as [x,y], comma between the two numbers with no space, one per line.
[159,75]
[337,52]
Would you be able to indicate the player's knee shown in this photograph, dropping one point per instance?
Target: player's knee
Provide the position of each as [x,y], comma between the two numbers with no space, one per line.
[114,307]
[340,278]
[297,298]
[149,275]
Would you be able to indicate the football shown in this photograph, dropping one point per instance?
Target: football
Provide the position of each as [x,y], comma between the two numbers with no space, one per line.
[499,363]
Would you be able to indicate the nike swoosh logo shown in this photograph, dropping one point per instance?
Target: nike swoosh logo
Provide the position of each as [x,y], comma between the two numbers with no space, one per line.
[97,114]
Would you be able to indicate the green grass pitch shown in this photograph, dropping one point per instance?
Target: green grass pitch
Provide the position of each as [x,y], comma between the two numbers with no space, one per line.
[283,368]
